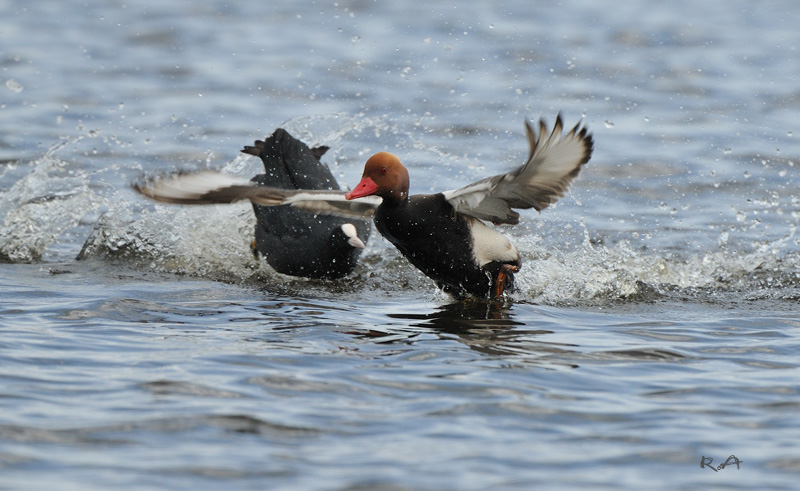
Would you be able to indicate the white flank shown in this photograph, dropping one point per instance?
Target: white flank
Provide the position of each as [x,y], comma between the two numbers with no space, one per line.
[490,245]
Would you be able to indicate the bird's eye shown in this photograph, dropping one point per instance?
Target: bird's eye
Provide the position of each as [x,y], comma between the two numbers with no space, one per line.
[384,170]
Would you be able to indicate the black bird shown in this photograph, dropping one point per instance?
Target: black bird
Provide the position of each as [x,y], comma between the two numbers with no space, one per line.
[294,241]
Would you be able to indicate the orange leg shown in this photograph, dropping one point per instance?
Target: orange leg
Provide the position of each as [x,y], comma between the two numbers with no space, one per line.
[504,276]
[254,250]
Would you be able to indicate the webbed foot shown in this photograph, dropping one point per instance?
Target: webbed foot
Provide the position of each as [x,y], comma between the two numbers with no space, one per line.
[505,279]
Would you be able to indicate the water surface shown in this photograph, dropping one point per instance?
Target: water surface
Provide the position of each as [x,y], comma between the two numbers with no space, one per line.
[655,324]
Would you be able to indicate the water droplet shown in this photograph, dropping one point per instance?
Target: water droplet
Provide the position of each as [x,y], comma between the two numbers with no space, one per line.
[14,86]
[608,124]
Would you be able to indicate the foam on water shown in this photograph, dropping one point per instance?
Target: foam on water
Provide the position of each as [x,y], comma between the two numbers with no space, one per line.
[38,208]
[59,209]
[594,272]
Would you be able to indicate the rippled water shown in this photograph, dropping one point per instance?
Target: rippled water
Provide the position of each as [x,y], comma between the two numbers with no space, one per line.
[656,323]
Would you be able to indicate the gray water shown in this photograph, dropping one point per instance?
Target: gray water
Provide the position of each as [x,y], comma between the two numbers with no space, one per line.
[656,323]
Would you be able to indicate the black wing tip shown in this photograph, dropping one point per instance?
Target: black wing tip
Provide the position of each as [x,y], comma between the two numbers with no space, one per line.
[138,187]
[558,127]
[588,143]
[582,132]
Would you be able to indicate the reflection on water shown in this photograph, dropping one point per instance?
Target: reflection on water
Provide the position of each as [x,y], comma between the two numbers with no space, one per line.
[466,316]
[488,327]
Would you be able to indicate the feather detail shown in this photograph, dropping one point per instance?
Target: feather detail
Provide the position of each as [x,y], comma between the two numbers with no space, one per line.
[208,187]
[554,160]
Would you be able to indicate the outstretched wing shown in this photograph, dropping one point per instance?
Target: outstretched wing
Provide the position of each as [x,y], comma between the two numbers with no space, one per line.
[203,188]
[553,162]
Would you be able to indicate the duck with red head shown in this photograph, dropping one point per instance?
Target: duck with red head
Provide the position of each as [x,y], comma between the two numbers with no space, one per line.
[383,176]
[444,235]
[460,253]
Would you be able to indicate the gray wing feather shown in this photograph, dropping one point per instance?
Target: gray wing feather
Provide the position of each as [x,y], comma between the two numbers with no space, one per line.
[553,162]
[207,187]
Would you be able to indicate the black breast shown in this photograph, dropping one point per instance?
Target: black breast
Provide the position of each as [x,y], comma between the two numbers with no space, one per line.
[427,230]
